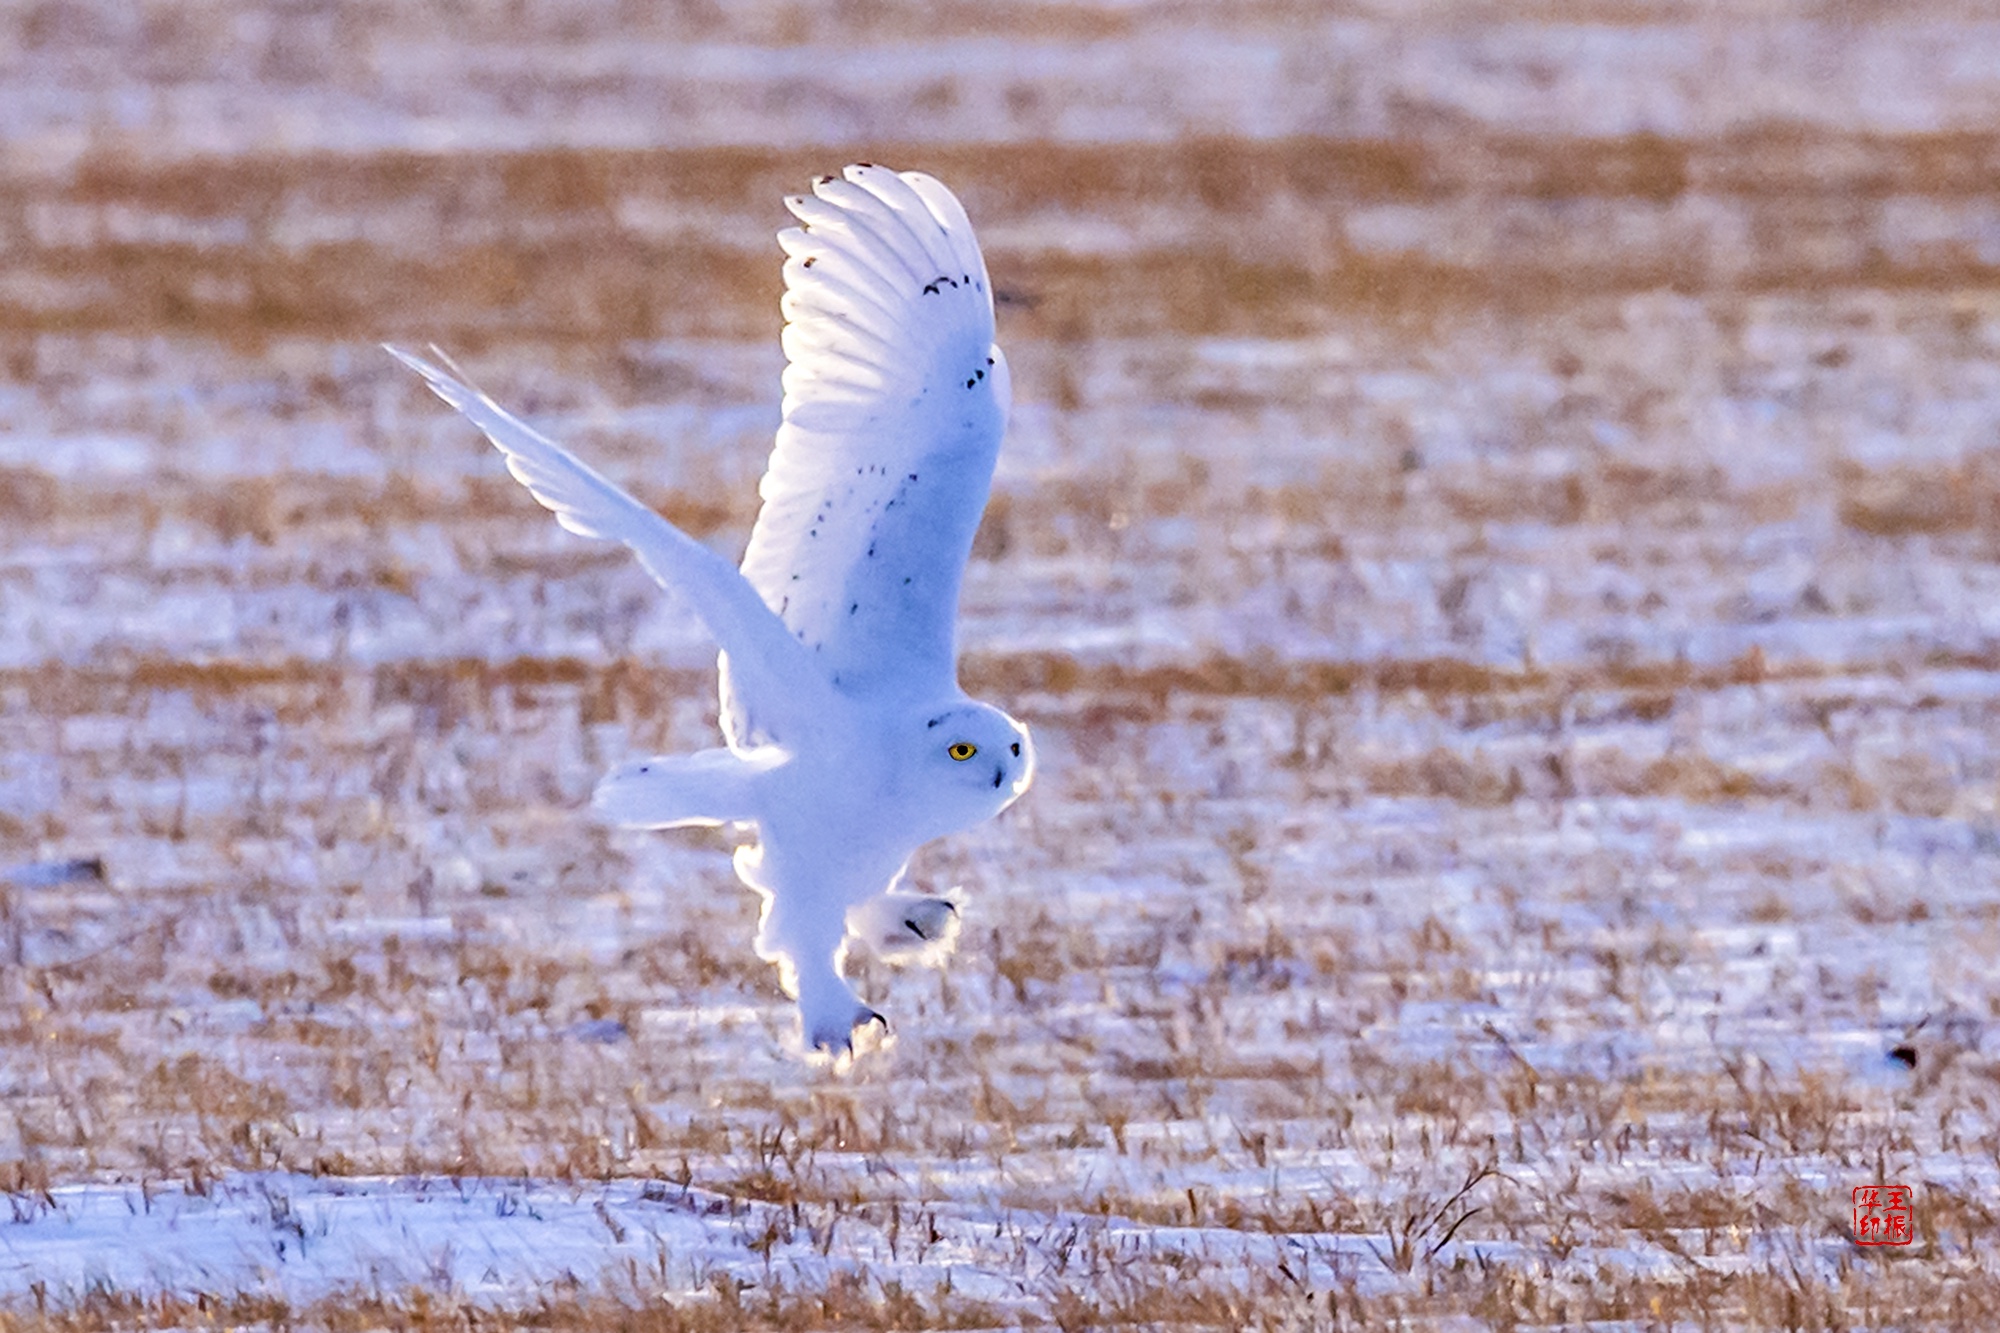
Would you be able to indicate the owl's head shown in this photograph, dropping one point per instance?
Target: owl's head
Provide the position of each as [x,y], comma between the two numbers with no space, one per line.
[978,756]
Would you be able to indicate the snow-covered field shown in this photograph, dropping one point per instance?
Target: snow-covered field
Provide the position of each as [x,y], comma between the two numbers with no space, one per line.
[1497,546]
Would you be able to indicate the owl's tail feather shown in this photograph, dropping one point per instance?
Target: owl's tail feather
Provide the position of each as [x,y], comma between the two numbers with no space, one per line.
[672,791]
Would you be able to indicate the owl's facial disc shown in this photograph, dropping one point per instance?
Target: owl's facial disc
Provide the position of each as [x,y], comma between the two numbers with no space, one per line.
[983,752]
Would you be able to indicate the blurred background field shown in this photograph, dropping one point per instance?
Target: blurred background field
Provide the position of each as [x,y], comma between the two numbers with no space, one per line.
[1499,544]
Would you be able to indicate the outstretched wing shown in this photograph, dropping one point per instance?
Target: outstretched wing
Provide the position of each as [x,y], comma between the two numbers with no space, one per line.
[768,665]
[895,402]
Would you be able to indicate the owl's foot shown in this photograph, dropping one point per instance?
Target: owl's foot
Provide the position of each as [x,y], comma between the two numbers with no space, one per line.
[908,927]
[832,1033]
[930,919]
[809,952]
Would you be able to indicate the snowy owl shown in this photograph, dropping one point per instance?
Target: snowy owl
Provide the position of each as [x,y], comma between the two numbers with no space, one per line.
[848,741]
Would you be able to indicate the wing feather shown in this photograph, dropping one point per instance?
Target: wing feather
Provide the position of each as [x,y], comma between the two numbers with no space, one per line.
[886,267]
[834,333]
[770,668]
[897,193]
[869,208]
[834,362]
[833,300]
[837,285]
[895,402]
[957,227]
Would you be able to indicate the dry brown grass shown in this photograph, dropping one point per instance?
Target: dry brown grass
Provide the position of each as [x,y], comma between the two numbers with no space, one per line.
[561,261]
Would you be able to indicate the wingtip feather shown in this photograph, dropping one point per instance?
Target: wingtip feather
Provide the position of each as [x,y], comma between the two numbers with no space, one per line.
[452,385]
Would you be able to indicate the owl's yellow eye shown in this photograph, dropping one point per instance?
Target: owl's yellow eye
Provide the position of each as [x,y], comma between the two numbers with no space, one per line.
[962,750]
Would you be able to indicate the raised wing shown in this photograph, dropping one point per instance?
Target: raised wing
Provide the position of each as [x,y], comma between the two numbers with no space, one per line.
[895,402]
[770,669]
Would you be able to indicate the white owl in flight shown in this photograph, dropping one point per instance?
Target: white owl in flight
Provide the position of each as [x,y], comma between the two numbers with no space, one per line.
[848,741]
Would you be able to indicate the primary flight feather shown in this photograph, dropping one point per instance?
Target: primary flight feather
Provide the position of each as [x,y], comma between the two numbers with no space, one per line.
[848,743]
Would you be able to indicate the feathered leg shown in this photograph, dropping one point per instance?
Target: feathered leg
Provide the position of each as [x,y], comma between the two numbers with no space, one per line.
[808,946]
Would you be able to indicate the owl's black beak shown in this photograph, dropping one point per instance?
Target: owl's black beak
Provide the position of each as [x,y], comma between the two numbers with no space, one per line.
[999,775]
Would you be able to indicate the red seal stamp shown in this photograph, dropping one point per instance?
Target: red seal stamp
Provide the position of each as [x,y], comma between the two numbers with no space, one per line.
[1882,1215]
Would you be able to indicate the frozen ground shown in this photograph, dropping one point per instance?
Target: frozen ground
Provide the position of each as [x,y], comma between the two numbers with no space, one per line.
[1497,546]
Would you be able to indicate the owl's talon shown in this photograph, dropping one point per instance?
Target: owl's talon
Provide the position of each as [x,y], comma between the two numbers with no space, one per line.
[929,923]
[833,1037]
